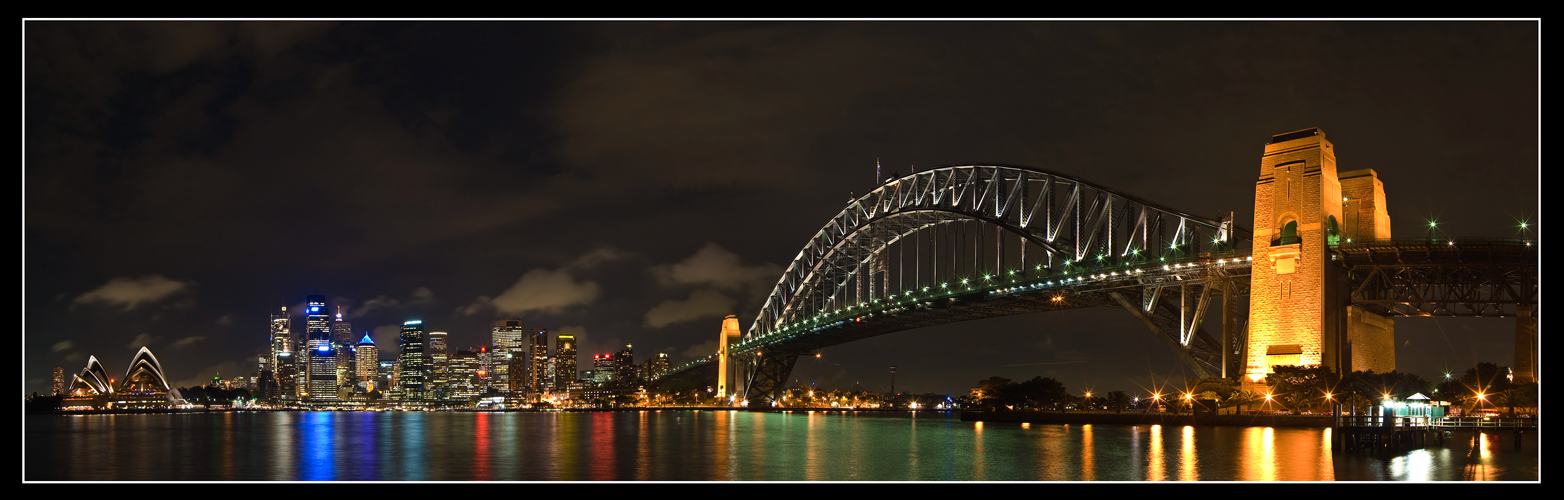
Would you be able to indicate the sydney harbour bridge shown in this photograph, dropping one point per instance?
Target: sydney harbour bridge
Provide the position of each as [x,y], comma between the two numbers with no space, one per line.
[1317,282]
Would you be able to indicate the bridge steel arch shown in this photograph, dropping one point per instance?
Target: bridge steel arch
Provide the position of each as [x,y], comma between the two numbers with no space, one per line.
[1052,236]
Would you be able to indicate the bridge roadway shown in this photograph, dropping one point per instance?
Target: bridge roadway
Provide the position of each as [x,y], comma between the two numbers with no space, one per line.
[1135,288]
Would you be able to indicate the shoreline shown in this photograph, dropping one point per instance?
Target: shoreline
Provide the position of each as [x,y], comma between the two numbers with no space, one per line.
[1049,417]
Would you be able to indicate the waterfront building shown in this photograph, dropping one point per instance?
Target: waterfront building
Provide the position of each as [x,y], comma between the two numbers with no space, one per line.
[438,358]
[388,370]
[366,358]
[322,364]
[143,386]
[412,375]
[284,362]
[508,334]
[485,367]
[540,368]
[519,376]
[341,331]
[465,376]
[602,369]
[624,364]
[499,368]
[564,360]
[659,364]
[342,347]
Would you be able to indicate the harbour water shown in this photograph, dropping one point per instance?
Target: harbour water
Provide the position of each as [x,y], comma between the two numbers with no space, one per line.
[718,446]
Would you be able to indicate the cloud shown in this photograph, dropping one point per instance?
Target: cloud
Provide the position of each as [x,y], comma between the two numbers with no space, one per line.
[697,100]
[703,303]
[546,291]
[482,303]
[227,319]
[716,267]
[142,340]
[62,345]
[184,342]
[599,256]
[381,302]
[133,292]
[383,332]
[419,296]
[701,350]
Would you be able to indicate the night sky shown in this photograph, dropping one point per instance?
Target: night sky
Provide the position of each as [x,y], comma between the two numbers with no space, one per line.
[634,182]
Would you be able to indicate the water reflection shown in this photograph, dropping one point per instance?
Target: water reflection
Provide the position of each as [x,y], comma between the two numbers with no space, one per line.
[1088,462]
[319,463]
[1154,467]
[1186,455]
[661,446]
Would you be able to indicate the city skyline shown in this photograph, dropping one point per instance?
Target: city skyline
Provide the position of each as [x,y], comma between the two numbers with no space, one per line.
[634,183]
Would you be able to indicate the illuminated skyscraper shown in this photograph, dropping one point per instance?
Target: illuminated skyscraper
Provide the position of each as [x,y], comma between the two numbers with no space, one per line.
[59,381]
[284,362]
[322,360]
[540,368]
[564,360]
[510,343]
[412,376]
[624,364]
[341,331]
[366,358]
[465,376]
[439,365]
[659,364]
[508,334]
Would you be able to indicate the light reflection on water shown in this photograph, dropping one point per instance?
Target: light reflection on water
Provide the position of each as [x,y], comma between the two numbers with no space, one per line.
[721,446]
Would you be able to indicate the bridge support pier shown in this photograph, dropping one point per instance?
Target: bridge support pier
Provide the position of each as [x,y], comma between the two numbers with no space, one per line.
[766,378]
[1525,345]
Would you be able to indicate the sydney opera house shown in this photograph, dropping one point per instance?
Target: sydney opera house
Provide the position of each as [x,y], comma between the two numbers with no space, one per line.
[142,387]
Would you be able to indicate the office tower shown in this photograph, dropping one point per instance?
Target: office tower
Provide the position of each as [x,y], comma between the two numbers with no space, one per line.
[564,360]
[519,377]
[341,331]
[283,364]
[465,376]
[322,359]
[602,368]
[438,358]
[508,334]
[510,343]
[265,378]
[412,375]
[499,368]
[624,364]
[59,381]
[347,375]
[539,360]
[366,358]
[659,364]
[485,367]
[388,370]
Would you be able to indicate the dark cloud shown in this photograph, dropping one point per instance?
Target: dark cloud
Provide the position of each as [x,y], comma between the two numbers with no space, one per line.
[132,292]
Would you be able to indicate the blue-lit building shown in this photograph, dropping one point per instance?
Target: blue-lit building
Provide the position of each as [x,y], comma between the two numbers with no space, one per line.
[322,359]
